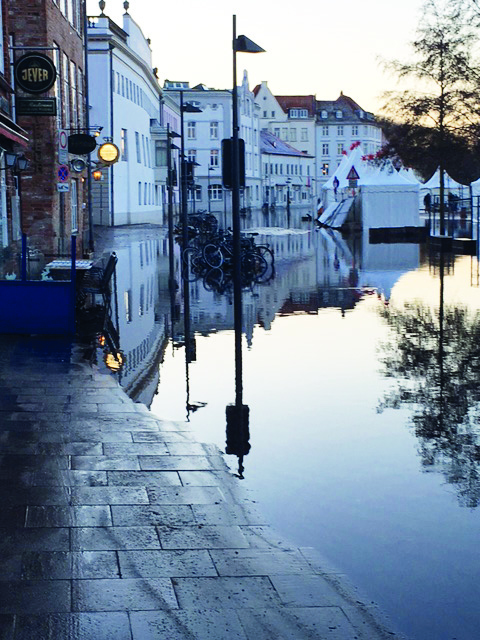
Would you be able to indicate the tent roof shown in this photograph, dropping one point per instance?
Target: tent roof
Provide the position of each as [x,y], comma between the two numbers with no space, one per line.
[434,182]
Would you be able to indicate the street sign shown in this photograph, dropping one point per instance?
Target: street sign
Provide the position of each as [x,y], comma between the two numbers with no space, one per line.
[35,72]
[352,174]
[36,106]
[63,172]
[63,186]
[62,146]
[352,184]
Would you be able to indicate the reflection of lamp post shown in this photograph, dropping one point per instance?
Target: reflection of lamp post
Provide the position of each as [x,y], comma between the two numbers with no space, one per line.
[170,181]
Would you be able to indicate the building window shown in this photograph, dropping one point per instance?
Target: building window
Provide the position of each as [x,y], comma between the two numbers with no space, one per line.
[191,130]
[215,192]
[137,145]
[81,105]
[324,114]
[123,145]
[340,130]
[298,113]
[145,188]
[214,158]
[197,191]
[340,148]
[304,135]
[127,298]
[284,133]
[192,155]
[293,135]
[325,149]
[139,193]
[264,114]
[338,114]
[276,132]
[273,114]
[325,168]
[355,130]
[57,86]
[214,130]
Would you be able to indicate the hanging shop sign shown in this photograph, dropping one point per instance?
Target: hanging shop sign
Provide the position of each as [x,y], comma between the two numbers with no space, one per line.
[81,143]
[108,153]
[35,73]
[36,106]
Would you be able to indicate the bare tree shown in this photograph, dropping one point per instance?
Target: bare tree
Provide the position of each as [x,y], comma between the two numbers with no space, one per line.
[444,80]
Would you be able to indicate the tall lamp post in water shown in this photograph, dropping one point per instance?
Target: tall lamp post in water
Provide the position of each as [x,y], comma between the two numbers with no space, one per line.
[237,415]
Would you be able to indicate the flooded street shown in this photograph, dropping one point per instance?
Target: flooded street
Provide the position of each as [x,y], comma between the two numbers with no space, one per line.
[361,365]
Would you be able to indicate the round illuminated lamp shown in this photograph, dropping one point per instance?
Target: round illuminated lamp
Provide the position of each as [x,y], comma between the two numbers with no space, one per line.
[108,153]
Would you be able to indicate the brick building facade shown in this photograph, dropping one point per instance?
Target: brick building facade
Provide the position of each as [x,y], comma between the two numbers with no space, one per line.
[55,28]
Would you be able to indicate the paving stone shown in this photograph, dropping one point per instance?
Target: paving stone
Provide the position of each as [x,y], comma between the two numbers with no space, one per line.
[7,626]
[164,564]
[306,591]
[202,537]
[186,449]
[13,516]
[67,565]
[123,595]
[296,624]
[162,436]
[74,626]
[99,538]
[151,515]
[11,567]
[136,449]
[109,495]
[14,541]
[265,537]
[227,514]
[106,463]
[185,495]
[70,448]
[251,562]
[34,496]
[226,593]
[174,463]
[43,596]
[66,478]
[76,516]
[200,624]
[202,478]
[34,462]
[143,478]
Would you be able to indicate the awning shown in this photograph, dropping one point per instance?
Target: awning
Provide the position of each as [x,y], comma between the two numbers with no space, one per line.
[9,129]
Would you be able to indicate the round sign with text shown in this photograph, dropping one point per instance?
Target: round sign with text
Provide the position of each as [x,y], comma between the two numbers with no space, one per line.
[35,73]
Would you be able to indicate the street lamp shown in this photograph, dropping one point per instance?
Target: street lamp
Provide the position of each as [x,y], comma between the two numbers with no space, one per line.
[184,108]
[208,188]
[240,44]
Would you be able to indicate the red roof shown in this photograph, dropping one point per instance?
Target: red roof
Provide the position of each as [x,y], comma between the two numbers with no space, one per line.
[298,102]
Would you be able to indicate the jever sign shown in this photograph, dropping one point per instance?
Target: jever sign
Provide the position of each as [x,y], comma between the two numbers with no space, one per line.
[35,73]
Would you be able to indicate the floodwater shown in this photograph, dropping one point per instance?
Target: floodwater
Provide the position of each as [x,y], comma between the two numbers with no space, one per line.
[361,366]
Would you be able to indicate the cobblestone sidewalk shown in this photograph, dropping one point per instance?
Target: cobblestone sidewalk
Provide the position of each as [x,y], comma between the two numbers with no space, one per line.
[118,526]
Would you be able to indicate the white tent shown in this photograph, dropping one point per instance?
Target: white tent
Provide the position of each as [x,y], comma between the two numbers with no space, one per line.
[388,199]
[353,159]
[450,184]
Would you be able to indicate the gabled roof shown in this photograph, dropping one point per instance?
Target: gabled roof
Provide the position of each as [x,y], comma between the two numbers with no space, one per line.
[273,145]
[298,102]
[345,104]
[256,89]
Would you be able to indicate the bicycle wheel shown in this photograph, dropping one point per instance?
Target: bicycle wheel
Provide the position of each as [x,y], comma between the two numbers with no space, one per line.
[253,265]
[213,279]
[212,256]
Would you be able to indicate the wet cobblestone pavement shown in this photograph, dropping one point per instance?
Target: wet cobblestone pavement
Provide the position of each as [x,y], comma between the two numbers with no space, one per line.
[118,526]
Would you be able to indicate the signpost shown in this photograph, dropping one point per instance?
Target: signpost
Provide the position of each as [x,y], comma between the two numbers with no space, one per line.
[62,146]
[63,173]
[353,178]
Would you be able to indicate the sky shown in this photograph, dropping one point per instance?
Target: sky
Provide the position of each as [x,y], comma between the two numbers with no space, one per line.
[312,47]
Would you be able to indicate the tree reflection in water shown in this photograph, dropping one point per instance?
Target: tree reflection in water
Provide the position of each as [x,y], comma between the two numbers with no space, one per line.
[434,358]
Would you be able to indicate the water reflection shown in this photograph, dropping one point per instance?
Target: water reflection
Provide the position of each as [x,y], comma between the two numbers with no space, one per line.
[434,359]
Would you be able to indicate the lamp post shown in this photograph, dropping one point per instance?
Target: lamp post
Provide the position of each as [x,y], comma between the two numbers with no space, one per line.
[184,108]
[208,189]
[239,44]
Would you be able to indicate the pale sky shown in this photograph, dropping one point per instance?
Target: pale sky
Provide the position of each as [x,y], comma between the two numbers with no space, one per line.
[312,47]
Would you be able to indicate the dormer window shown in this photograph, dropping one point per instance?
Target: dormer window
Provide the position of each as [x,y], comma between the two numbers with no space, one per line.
[324,114]
[298,113]
[339,114]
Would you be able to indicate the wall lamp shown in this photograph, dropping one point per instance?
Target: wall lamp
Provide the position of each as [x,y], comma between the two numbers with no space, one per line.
[14,162]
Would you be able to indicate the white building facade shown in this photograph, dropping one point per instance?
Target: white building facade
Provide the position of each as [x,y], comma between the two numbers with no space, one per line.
[203,135]
[125,99]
